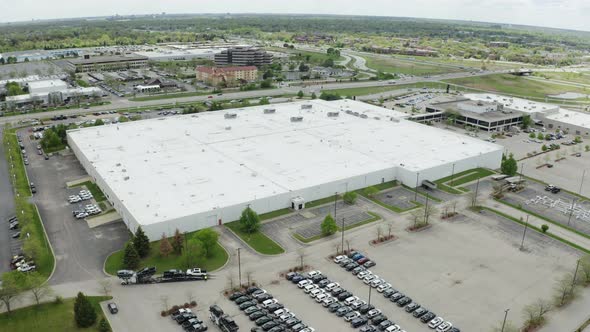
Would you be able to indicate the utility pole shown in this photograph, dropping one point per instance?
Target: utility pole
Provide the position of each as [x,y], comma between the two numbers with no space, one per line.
[188,257]
[335,202]
[416,192]
[452,175]
[342,231]
[239,267]
[475,195]
[575,275]
[370,293]
[426,210]
[573,199]
[505,315]
[526,225]
[521,171]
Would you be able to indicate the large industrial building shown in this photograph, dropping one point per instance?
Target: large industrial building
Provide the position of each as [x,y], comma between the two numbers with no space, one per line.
[89,64]
[195,171]
[51,91]
[243,56]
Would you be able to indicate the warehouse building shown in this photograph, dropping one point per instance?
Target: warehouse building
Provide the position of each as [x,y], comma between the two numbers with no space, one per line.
[51,91]
[195,171]
[89,64]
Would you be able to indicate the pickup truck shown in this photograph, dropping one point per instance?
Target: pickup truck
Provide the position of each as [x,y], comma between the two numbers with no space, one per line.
[195,272]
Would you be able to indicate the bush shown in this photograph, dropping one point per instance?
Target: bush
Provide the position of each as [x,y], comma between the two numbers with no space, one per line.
[84,313]
[544,228]
[58,300]
[370,191]
[349,197]
[193,303]
[103,326]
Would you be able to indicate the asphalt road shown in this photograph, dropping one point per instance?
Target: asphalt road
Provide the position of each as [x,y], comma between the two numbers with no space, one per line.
[6,210]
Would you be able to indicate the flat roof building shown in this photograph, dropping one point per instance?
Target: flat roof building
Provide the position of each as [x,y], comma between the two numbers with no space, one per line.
[243,56]
[195,171]
[227,76]
[89,64]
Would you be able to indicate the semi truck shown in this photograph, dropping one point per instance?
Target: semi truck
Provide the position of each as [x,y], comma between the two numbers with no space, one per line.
[223,321]
[147,275]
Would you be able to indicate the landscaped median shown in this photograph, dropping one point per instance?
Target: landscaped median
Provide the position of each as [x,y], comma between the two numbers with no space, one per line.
[35,242]
[450,184]
[216,259]
[257,240]
[56,316]
[374,217]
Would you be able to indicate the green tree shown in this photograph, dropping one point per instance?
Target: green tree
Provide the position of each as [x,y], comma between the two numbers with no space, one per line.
[370,191]
[165,246]
[544,228]
[526,121]
[314,96]
[263,101]
[141,243]
[98,122]
[194,251]
[35,283]
[532,135]
[130,257]
[300,94]
[587,148]
[578,139]
[177,242]
[328,63]
[349,197]
[540,136]
[208,238]
[249,220]
[11,288]
[84,313]
[544,148]
[330,96]
[509,166]
[329,226]
[104,326]
[303,67]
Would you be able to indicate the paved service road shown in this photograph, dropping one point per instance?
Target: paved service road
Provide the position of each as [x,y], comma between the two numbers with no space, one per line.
[6,210]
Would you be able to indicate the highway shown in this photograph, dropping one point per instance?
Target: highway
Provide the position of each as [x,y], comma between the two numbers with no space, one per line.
[117,104]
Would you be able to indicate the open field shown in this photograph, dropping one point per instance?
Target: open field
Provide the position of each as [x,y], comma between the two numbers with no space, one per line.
[581,77]
[380,89]
[515,86]
[390,64]
[49,317]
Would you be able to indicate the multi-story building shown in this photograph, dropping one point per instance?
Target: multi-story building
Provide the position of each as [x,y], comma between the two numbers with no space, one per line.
[227,76]
[243,56]
[89,64]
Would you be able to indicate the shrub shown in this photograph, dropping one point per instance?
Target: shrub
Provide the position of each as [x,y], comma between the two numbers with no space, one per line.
[84,313]
[58,300]
[103,326]
[349,197]
[193,303]
[163,313]
[544,228]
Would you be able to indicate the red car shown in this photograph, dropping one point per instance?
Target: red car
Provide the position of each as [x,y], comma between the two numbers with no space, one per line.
[362,260]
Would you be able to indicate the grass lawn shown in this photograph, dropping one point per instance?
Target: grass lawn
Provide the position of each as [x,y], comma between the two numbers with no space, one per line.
[274,214]
[316,58]
[515,85]
[258,241]
[94,190]
[171,96]
[321,201]
[390,64]
[49,317]
[461,178]
[582,78]
[374,217]
[218,258]
[29,216]
[382,89]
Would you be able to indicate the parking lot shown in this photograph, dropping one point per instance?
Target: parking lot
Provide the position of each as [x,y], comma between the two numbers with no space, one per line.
[402,198]
[7,244]
[79,251]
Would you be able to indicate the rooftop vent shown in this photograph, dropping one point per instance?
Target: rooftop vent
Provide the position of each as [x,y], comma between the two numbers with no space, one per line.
[126,178]
[269,111]
[364,116]
[228,128]
[296,119]
[348,112]
[306,106]
[230,115]
[333,114]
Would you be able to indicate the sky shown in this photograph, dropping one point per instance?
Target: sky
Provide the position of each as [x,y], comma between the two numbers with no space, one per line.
[567,14]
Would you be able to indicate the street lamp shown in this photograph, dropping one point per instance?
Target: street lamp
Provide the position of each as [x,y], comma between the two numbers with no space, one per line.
[370,293]
[526,225]
[335,202]
[416,191]
[239,267]
[505,315]
[342,231]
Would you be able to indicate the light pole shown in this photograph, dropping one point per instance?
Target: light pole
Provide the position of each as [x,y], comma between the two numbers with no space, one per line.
[335,202]
[475,194]
[505,315]
[416,192]
[370,293]
[573,199]
[239,267]
[575,275]
[342,231]
[526,225]
[452,175]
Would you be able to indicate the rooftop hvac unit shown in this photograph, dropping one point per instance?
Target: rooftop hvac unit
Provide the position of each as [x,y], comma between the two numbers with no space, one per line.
[296,119]
[228,128]
[394,119]
[355,113]
[333,114]
[126,178]
[364,116]
[269,111]
[230,115]
[348,112]
[306,106]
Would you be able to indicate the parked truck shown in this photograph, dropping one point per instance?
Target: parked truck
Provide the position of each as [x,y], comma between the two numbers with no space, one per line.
[223,321]
[147,276]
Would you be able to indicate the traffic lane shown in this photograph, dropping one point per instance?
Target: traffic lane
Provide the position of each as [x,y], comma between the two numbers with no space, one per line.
[6,210]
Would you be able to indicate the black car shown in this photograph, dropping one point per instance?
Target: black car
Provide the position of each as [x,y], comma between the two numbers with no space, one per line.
[263,297]
[247,305]
[338,290]
[343,311]
[298,327]
[277,328]
[242,299]
[344,295]
[388,292]
[317,278]
[369,264]
[368,328]
[113,308]
[359,321]
[427,317]
[411,307]
[269,325]
[365,308]
[257,314]
[256,329]
[290,275]
[263,320]
[251,310]
[236,295]
[403,301]
[297,278]
[419,312]
[292,321]
[352,253]
[351,266]
[454,329]
[274,307]
[190,322]
[252,289]
[396,297]
[334,306]
[184,317]
[378,319]
[385,324]
[324,283]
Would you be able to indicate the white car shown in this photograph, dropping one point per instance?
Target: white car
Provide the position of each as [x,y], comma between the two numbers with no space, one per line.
[280,312]
[357,304]
[313,273]
[351,299]
[435,322]
[373,313]
[75,199]
[376,282]
[367,280]
[350,316]
[393,328]
[310,288]
[320,297]
[315,292]
[381,288]
[82,215]
[284,317]
[304,283]
[339,259]
[329,287]
[444,327]
[268,302]
[328,300]
[363,274]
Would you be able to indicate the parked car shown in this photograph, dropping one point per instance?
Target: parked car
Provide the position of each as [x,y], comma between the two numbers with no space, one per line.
[369,264]
[435,322]
[419,312]
[113,308]
[411,307]
[427,317]
[444,327]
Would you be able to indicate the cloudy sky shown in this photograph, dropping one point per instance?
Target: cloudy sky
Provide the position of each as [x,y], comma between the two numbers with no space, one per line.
[570,14]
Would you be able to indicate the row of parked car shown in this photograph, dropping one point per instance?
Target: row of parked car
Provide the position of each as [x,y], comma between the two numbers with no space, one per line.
[20,263]
[266,311]
[83,195]
[353,260]
[88,209]
[343,303]
[400,299]
[189,321]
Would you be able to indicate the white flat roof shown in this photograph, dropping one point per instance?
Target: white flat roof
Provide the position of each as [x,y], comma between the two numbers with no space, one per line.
[182,165]
[45,84]
[519,104]
[571,117]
